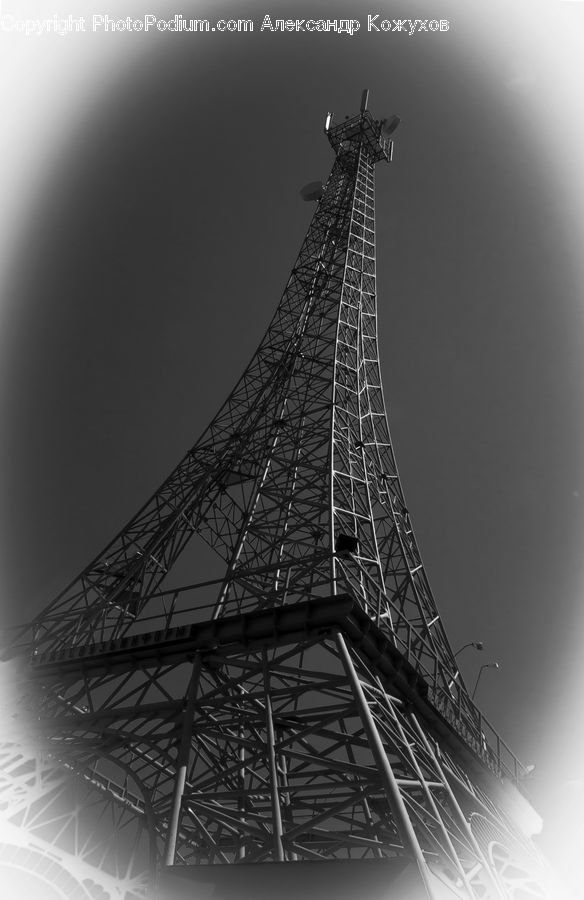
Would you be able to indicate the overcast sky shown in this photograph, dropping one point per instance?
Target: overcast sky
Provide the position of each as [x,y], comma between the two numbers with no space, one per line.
[150,219]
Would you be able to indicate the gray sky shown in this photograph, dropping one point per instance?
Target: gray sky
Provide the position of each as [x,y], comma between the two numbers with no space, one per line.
[151,219]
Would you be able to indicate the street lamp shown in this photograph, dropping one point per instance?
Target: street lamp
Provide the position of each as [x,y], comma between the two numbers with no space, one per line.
[478,645]
[493,665]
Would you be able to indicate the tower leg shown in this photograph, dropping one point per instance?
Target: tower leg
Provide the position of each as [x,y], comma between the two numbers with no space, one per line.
[390,785]
[494,887]
[276,811]
[430,800]
[182,763]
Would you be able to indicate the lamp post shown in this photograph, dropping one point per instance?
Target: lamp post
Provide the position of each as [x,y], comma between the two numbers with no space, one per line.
[492,665]
[478,645]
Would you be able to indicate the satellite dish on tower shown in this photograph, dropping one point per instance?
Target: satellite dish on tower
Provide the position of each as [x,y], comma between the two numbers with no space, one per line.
[388,126]
[312,191]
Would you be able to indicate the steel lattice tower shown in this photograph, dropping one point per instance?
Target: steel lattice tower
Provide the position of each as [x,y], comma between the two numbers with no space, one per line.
[306,708]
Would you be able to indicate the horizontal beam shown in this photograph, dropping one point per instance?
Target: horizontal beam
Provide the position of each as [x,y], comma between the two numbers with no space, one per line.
[316,618]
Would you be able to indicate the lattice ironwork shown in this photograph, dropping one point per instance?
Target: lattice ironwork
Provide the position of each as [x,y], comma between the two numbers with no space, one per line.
[307,705]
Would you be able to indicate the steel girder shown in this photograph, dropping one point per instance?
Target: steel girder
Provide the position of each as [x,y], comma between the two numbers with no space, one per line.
[306,705]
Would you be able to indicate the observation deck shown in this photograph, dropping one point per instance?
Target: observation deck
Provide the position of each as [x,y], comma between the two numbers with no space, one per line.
[363,129]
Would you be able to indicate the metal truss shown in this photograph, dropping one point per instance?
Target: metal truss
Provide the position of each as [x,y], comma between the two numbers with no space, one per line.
[71,828]
[307,705]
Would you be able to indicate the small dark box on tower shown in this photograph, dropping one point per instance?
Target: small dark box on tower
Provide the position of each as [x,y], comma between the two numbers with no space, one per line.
[346,543]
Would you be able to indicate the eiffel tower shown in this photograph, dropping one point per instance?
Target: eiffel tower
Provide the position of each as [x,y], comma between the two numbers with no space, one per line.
[301,719]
